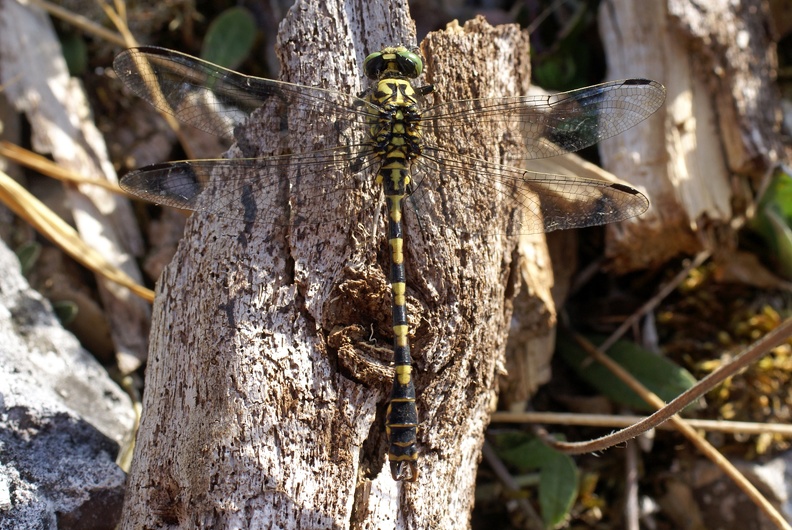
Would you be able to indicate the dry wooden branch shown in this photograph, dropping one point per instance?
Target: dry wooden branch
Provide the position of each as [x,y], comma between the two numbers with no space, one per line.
[265,398]
[721,123]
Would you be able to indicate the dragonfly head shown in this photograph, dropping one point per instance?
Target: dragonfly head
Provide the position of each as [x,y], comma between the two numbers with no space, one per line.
[394,61]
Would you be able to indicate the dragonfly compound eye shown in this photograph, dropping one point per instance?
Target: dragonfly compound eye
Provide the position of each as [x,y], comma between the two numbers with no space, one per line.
[373,65]
[410,63]
[395,61]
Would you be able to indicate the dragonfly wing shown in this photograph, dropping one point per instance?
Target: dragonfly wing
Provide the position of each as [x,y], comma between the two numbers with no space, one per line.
[543,202]
[218,100]
[548,125]
[251,189]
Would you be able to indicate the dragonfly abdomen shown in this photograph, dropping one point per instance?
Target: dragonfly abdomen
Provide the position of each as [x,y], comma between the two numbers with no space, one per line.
[396,137]
[401,421]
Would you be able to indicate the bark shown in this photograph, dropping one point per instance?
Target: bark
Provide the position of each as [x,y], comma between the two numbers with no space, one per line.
[718,132]
[265,393]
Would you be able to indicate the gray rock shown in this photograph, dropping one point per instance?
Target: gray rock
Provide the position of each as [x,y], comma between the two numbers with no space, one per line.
[61,419]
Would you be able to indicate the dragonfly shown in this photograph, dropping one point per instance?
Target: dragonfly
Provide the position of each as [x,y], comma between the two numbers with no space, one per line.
[406,142]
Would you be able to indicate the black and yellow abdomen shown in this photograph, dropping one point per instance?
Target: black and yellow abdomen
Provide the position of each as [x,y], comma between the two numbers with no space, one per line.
[396,136]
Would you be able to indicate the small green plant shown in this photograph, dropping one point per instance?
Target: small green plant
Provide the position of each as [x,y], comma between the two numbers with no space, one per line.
[658,374]
[230,38]
[773,219]
[557,487]
[28,254]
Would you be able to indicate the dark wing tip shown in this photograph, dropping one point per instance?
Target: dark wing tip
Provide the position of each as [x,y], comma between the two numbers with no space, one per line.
[625,188]
[640,203]
[642,82]
[639,81]
[173,184]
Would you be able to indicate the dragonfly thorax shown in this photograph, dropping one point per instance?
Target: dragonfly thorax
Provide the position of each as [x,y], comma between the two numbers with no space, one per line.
[395,131]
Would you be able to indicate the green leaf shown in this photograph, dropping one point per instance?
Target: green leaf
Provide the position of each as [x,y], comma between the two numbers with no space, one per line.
[773,219]
[28,254]
[555,71]
[66,311]
[558,474]
[558,487]
[230,38]
[527,456]
[781,241]
[779,192]
[75,52]
[658,374]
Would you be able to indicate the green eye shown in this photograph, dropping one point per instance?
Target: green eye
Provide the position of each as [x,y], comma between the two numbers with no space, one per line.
[416,62]
[373,65]
[397,60]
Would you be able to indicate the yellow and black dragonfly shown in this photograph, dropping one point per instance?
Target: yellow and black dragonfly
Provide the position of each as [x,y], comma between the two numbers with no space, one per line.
[398,136]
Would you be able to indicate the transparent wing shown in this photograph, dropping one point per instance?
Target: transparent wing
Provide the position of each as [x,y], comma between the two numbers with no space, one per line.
[548,125]
[256,189]
[186,87]
[542,202]
[217,101]
[253,188]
